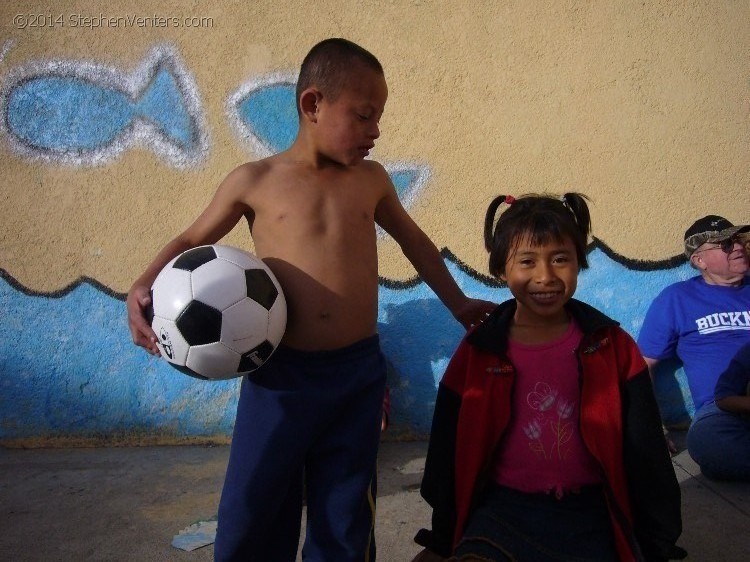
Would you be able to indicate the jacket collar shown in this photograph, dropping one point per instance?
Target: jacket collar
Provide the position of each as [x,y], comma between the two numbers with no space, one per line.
[492,334]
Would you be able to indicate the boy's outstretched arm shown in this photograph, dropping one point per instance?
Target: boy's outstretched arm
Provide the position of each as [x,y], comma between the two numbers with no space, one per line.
[426,259]
[222,213]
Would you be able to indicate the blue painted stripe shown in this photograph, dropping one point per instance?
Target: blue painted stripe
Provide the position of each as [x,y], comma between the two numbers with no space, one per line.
[68,366]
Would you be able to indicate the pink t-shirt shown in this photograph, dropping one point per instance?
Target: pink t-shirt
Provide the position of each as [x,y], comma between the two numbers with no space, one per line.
[542,449]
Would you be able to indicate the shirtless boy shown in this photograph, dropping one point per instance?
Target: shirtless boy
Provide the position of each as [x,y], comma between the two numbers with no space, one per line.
[315,407]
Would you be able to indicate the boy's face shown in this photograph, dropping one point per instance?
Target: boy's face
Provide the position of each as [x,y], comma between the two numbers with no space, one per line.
[542,279]
[347,127]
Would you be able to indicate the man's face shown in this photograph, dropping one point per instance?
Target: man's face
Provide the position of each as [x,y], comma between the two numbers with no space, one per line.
[719,267]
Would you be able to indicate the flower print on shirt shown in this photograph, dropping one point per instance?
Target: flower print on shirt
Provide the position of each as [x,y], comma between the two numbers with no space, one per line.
[552,427]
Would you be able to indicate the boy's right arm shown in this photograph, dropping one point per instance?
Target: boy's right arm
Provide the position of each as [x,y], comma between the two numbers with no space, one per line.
[223,212]
[139,296]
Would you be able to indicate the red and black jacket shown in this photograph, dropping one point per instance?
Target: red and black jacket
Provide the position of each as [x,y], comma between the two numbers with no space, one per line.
[619,421]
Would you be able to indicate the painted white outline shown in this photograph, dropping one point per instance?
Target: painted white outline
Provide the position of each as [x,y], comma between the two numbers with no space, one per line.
[416,187]
[245,133]
[7,46]
[141,131]
[412,192]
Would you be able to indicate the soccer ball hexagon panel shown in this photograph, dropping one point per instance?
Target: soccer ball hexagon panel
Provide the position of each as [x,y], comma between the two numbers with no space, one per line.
[218,312]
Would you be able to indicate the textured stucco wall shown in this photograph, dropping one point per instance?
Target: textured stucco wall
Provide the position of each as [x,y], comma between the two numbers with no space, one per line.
[119,122]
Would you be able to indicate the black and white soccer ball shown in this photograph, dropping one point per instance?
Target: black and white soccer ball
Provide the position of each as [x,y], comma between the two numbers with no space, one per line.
[218,312]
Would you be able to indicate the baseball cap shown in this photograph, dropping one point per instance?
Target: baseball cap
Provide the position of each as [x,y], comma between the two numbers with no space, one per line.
[711,228]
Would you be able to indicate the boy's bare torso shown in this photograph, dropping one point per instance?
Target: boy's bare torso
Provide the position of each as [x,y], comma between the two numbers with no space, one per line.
[315,229]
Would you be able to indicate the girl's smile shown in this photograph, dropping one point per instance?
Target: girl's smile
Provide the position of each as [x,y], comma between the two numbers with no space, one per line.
[546,298]
[542,278]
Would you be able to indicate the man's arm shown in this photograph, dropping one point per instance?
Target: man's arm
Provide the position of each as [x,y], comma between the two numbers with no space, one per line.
[426,259]
[651,363]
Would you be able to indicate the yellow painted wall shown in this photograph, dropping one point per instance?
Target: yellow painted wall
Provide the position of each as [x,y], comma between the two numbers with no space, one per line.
[643,106]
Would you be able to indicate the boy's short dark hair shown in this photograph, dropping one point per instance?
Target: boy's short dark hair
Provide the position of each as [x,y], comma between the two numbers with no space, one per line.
[329,64]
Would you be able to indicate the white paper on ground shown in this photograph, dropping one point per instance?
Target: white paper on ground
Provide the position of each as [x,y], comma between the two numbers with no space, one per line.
[195,536]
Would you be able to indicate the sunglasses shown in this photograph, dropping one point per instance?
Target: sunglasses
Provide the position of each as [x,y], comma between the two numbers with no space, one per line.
[726,246]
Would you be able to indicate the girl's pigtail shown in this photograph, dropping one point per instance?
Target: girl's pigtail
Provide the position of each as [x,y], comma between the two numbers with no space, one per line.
[576,203]
[489,219]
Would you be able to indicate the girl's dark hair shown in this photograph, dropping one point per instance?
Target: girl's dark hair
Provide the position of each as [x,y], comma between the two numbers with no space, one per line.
[544,218]
[330,63]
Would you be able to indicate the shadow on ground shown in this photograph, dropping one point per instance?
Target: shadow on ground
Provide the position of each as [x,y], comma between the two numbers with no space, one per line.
[127,503]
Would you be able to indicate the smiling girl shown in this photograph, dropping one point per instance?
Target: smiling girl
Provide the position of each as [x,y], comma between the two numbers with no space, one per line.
[546,440]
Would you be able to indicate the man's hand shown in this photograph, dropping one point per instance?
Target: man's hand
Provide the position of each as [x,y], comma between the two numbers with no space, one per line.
[428,556]
[473,312]
[139,298]
[670,442]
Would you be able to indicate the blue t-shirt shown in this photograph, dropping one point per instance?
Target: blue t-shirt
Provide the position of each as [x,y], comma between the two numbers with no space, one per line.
[703,325]
[735,379]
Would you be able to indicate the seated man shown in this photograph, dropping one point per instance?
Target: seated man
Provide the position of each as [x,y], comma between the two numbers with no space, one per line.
[704,321]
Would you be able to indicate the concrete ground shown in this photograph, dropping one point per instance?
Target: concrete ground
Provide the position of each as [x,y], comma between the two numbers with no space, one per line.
[122,504]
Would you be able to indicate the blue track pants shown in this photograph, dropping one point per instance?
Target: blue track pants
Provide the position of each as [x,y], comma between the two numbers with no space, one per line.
[311,417]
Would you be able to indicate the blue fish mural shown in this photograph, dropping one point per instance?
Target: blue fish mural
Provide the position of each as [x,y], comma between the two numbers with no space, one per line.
[264,114]
[82,113]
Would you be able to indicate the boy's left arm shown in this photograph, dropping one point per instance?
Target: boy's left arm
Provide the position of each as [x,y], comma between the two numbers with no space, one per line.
[426,259]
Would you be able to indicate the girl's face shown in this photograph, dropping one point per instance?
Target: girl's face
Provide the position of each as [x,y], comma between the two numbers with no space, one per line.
[542,279]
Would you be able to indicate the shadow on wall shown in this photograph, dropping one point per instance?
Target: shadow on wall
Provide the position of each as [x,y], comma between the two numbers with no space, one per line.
[418,340]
